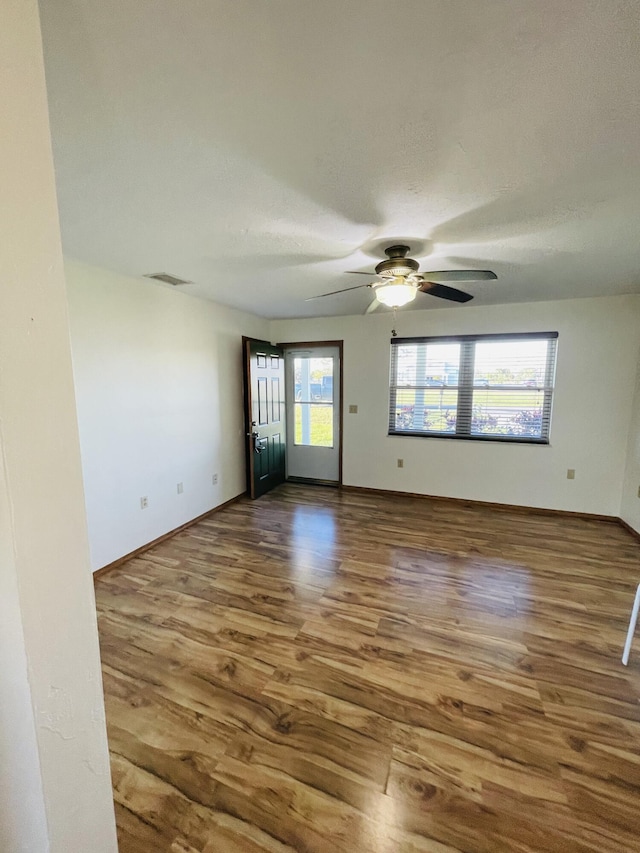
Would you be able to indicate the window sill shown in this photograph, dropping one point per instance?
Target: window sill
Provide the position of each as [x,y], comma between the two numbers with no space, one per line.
[495,439]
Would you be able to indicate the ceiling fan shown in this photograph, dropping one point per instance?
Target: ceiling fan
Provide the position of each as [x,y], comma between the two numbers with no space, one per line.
[400,282]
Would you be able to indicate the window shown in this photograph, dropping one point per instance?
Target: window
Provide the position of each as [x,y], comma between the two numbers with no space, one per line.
[487,387]
[313,407]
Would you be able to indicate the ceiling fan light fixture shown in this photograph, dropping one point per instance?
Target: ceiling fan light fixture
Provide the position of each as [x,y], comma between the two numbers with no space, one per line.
[401,281]
[396,293]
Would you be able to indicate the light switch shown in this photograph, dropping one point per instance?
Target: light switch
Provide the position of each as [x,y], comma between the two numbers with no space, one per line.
[353,410]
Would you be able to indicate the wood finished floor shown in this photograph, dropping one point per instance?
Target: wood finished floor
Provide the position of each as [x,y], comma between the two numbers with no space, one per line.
[333,671]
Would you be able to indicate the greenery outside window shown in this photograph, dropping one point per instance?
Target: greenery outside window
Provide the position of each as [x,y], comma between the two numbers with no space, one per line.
[485,387]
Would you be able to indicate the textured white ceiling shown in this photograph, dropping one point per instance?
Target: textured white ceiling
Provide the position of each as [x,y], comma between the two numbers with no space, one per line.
[261,147]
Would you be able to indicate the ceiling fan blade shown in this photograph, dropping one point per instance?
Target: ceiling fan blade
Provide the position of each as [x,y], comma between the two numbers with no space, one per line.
[333,292]
[460,275]
[445,292]
[373,307]
[360,272]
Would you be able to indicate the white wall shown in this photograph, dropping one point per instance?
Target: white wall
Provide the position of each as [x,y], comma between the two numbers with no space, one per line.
[599,341]
[55,786]
[630,507]
[23,823]
[159,392]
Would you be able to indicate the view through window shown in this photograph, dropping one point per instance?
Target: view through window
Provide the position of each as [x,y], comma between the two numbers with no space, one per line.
[474,386]
[313,407]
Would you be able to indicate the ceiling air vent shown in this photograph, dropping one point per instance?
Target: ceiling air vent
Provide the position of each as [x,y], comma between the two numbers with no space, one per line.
[167,279]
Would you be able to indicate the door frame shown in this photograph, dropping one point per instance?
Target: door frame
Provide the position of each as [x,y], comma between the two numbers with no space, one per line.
[340,347]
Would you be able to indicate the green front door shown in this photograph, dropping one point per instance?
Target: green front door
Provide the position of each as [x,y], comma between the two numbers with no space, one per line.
[264,416]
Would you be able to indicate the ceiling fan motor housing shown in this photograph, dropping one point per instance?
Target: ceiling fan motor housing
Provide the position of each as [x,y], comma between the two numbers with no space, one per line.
[397,264]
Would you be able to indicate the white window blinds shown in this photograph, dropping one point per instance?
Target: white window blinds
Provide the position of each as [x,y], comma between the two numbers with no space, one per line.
[488,387]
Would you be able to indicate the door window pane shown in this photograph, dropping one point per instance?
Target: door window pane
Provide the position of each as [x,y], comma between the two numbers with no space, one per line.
[313,380]
[313,424]
[313,409]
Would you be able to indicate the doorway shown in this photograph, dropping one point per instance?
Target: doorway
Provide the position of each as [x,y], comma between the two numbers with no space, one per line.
[313,382]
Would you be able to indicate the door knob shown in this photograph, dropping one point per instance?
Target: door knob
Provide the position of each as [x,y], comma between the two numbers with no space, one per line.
[257,447]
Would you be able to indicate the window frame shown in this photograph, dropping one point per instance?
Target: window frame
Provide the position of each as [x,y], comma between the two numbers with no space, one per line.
[465,387]
[311,402]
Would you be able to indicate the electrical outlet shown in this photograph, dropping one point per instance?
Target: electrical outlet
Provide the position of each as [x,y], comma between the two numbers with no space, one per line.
[400,463]
[214,479]
[144,503]
[353,410]
[571,473]
[180,488]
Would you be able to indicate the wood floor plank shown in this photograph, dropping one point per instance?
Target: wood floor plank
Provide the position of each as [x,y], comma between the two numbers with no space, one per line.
[338,671]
